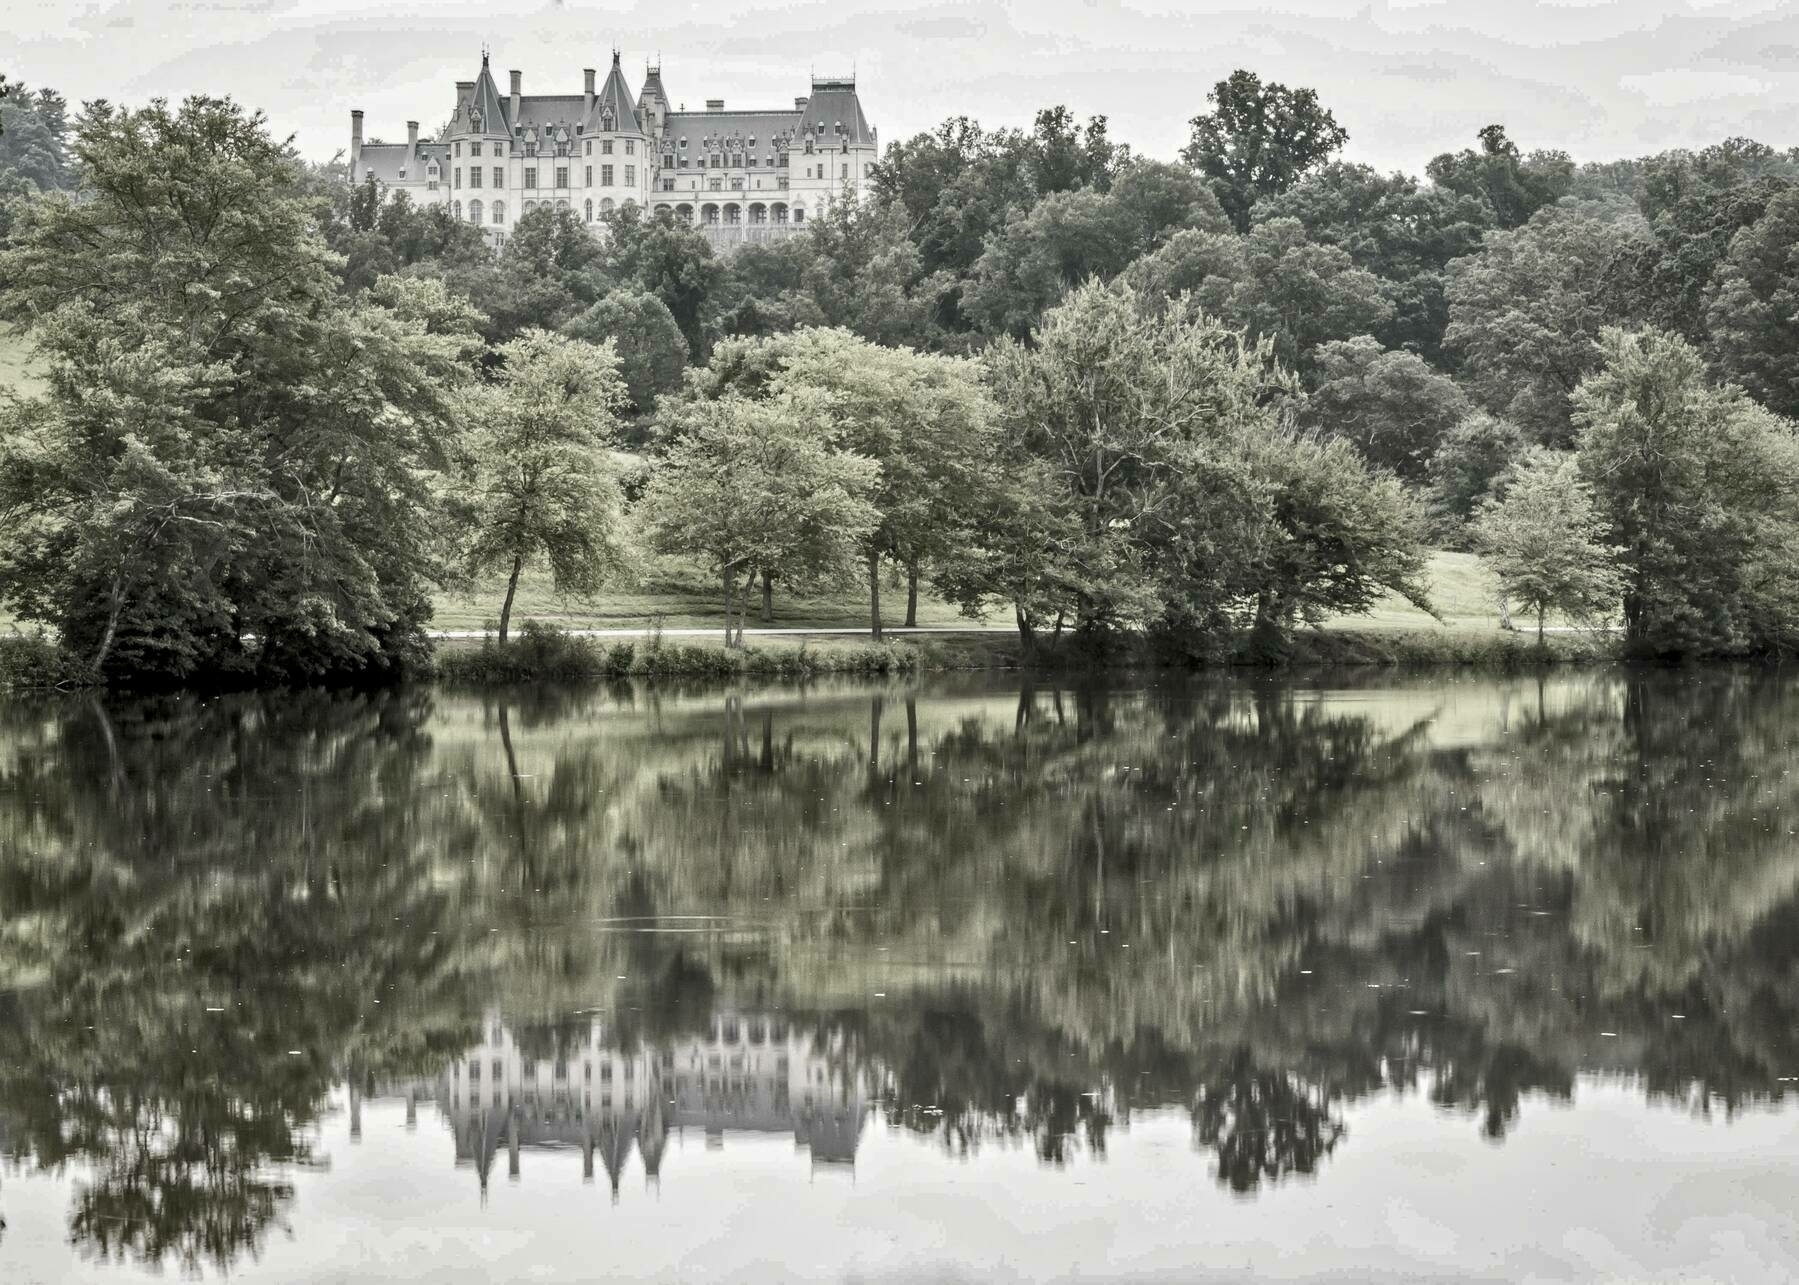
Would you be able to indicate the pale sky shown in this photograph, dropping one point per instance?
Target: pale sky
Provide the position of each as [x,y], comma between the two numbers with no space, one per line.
[1408,78]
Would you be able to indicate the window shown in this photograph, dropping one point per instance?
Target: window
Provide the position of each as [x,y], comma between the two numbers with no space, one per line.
[799,216]
[668,161]
[459,147]
[499,211]
[589,176]
[590,147]
[587,206]
[458,209]
[474,149]
[530,149]
[458,183]
[605,176]
[715,185]
[846,171]
[668,185]
[683,145]
[474,176]
[499,177]
[737,184]
[683,163]
[630,147]
[562,176]
[606,147]
[474,211]
[605,205]
[718,160]
[531,176]
[630,176]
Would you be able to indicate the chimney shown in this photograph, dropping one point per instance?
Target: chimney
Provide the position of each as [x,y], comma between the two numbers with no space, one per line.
[412,138]
[715,104]
[355,144]
[518,80]
[587,102]
[799,104]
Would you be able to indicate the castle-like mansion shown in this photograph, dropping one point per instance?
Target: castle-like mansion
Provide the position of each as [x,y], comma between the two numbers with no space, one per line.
[742,175]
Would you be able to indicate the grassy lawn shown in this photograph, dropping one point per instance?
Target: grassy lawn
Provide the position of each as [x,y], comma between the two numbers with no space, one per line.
[676,601]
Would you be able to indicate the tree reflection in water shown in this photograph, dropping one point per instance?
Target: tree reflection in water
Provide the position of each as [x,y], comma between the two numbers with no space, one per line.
[1243,899]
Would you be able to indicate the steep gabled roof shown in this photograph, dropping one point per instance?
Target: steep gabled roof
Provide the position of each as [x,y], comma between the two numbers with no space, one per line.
[834,102]
[652,86]
[487,100]
[616,95]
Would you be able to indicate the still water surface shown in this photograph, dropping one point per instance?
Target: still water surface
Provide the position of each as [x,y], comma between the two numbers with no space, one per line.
[1414,979]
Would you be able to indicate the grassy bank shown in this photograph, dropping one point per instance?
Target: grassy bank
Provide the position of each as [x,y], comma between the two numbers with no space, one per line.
[546,653]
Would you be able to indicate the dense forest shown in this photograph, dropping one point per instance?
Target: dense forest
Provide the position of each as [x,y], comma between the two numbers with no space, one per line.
[1212,398]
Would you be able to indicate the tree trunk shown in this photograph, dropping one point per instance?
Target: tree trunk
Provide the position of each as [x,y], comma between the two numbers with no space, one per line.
[115,604]
[1027,634]
[730,596]
[874,594]
[768,599]
[518,564]
[1539,626]
[912,595]
[1505,614]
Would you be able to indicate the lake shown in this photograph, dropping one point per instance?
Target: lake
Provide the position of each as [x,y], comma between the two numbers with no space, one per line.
[1370,977]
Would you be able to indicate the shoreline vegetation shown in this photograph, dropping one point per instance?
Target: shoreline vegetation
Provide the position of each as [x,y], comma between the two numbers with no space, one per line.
[1154,413]
[548,653]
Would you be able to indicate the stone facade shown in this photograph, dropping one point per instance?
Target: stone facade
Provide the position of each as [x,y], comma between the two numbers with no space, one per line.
[740,175]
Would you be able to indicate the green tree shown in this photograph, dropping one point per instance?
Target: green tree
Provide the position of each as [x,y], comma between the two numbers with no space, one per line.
[760,487]
[1513,185]
[1259,140]
[1527,310]
[1697,484]
[652,353]
[541,485]
[1753,306]
[1403,231]
[234,469]
[670,260]
[1393,406]
[1545,541]
[1466,468]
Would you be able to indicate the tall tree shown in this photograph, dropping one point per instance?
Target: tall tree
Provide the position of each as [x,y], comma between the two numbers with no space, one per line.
[760,487]
[1697,484]
[1513,185]
[1394,407]
[1259,140]
[1753,306]
[1526,312]
[542,487]
[234,469]
[1545,541]
[652,353]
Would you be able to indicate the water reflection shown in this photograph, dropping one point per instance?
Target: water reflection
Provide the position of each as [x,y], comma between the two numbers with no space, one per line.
[986,918]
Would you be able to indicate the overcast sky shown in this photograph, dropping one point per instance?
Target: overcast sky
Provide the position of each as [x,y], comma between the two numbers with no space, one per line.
[1408,78]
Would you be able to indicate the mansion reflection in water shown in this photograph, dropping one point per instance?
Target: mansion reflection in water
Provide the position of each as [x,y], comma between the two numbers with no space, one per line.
[750,1073]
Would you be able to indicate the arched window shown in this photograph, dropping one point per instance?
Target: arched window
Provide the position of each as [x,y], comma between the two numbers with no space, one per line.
[758,214]
[499,211]
[529,206]
[630,203]
[684,213]
[588,206]
[474,211]
[709,215]
[605,205]
[733,215]
[459,211]
[779,212]
[562,203]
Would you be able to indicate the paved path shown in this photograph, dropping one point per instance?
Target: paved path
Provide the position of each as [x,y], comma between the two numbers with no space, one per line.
[717,631]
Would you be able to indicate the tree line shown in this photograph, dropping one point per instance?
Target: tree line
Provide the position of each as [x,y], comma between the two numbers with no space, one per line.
[1216,398]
